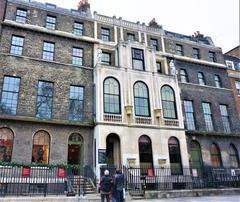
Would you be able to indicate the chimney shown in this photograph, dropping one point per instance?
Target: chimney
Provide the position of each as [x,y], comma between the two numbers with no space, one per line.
[153,23]
[84,8]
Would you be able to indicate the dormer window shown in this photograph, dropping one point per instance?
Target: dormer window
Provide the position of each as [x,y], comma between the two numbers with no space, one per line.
[179,49]
[51,22]
[21,15]
[130,37]
[196,54]
[211,56]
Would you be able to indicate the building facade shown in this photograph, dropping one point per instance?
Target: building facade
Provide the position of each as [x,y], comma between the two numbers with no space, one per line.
[46,85]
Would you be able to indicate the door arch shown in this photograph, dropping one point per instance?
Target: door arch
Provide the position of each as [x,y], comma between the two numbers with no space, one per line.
[196,155]
[145,152]
[113,150]
[75,149]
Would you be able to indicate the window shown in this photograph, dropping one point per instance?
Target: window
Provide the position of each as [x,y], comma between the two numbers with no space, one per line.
[48,51]
[154,44]
[159,67]
[40,151]
[10,93]
[237,83]
[215,156]
[230,64]
[234,158]
[50,22]
[76,106]
[217,80]
[141,99]
[77,56]
[168,103]
[6,144]
[201,79]
[211,56]
[145,154]
[105,34]
[225,118]
[112,103]
[130,37]
[138,59]
[196,54]
[106,58]
[174,156]
[78,28]
[21,15]
[207,116]
[17,45]
[179,49]
[183,76]
[189,115]
[44,99]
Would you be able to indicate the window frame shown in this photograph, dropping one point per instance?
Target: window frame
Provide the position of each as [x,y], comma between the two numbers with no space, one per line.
[45,57]
[136,59]
[183,74]
[76,57]
[16,47]
[81,101]
[105,34]
[225,118]
[179,50]
[106,62]
[11,92]
[234,156]
[78,30]
[19,17]
[131,37]
[237,84]
[206,106]
[142,98]
[201,79]
[118,95]
[154,44]
[215,156]
[217,81]
[196,53]
[212,56]
[189,115]
[51,22]
[159,64]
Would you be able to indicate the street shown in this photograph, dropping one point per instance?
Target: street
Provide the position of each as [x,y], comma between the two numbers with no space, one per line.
[235,198]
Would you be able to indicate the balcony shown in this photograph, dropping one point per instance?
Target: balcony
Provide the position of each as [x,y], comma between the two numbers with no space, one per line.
[170,122]
[114,118]
[143,120]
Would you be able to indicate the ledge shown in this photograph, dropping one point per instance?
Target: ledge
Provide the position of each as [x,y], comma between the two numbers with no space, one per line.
[213,133]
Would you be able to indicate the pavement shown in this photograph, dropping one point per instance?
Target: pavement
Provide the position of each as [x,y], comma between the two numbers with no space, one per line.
[235,198]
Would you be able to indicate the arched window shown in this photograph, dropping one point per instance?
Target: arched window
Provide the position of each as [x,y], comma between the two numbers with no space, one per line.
[112,103]
[6,144]
[175,156]
[168,102]
[183,76]
[216,156]
[234,159]
[196,155]
[141,99]
[145,153]
[41,143]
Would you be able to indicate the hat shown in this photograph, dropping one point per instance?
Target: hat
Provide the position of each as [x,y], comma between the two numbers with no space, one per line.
[106,172]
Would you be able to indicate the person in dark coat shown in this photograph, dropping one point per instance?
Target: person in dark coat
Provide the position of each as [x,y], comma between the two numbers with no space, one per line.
[118,187]
[106,185]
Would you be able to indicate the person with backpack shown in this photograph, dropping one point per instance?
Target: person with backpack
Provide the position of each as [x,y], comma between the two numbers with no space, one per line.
[106,185]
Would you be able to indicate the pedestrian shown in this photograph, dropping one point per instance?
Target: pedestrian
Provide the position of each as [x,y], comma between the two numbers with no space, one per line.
[106,185]
[118,187]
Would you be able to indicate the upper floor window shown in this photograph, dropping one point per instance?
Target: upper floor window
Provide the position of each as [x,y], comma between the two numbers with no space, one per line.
[189,114]
[179,49]
[76,105]
[230,64]
[234,158]
[159,67]
[196,54]
[183,76]
[211,56]
[50,22]
[237,83]
[21,15]
[48,51]
[225,118]
[168,103]
[130,37]
[138,59]
[17,45]
[154,44]
[201,79]
[106,58]
[44,99]
[78,28]
[9,98]
[105,34]
[217,80]
[77,56]
[141,99]
[112,103]
[207,116]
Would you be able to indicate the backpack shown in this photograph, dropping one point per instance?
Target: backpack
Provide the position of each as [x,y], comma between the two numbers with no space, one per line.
[106,184]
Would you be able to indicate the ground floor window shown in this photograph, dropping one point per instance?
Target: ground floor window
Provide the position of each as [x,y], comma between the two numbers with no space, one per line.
[175,156]
[6,144]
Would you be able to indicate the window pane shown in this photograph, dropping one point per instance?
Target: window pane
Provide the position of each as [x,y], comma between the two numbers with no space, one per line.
[21,15]
[48,51]
[50,22]
[225,118]
[154,44]
[77,56]
[183,76]
[138,59]
[17,45]
[78,28]
[106,58]
[10,93]
[105,34]
[189,115]
[201,78]
[168,102]
[207,116]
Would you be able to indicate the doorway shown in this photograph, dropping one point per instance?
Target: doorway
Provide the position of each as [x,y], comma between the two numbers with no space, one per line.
[75,151]
[113,151]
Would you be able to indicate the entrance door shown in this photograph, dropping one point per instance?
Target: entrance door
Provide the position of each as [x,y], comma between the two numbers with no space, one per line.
[196,155]
[113,151]
[75,153]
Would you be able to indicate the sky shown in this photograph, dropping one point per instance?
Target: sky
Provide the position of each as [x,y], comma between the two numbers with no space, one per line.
[218,19]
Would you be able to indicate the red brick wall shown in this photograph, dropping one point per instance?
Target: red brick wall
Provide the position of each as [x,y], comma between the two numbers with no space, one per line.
[237,97]
[2,8]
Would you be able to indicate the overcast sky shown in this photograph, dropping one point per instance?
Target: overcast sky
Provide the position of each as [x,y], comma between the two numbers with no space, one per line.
[218,19]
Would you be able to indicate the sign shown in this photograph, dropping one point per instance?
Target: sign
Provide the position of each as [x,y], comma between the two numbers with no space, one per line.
[194,172]
[233,173]
[61,172]
[26,171]
[150,172]
[102,157]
